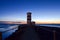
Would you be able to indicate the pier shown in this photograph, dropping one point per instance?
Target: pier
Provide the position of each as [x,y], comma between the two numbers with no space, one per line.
[35,33]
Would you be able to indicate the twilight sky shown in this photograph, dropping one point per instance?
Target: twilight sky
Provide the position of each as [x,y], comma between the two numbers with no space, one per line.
[43,11]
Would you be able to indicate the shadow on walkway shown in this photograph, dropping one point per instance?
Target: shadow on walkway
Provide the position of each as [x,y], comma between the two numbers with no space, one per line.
[29,34]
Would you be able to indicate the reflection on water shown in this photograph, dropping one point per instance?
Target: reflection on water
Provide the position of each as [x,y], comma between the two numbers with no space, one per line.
[7,30]
[8,33]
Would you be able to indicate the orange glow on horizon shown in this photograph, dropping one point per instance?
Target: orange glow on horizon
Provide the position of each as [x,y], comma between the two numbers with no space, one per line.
[44,22]
[37,22]
[47,22]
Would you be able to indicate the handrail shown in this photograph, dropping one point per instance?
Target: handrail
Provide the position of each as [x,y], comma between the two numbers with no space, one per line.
[46,29]
[54,32]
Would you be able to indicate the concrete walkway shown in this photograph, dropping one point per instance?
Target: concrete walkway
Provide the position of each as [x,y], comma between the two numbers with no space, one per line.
[29,34]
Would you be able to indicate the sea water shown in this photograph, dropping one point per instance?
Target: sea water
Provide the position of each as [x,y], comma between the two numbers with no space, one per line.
[49,25]
[8,29]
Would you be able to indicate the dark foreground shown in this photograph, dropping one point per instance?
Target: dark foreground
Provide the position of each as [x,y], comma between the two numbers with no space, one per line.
[35,33]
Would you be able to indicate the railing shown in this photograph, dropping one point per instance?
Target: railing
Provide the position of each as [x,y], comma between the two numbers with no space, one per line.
[6,31]
[0,35]
[54,32]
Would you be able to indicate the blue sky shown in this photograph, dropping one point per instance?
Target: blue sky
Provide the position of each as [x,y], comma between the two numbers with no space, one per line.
[42,10]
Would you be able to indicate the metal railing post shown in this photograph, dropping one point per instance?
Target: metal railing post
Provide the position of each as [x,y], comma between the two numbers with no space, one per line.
[54,35]
[0,35]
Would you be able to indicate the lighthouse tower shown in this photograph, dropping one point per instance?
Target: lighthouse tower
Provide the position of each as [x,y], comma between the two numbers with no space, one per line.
[29,18]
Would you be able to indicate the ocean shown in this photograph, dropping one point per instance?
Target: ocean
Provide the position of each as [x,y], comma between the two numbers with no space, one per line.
[49,25]
[8,29]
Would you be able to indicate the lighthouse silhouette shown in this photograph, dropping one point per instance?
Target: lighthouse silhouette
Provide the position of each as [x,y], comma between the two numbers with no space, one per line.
[29,18]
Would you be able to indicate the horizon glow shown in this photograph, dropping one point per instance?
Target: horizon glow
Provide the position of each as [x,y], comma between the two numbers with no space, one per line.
[43,11]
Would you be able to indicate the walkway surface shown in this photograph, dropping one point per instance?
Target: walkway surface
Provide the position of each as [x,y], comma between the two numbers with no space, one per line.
[29,34]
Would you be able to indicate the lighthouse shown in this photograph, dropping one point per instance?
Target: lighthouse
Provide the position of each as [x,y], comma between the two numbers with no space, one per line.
[29,18]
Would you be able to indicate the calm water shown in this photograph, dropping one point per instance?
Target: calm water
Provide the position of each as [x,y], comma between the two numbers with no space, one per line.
[49,25]
[6,28]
